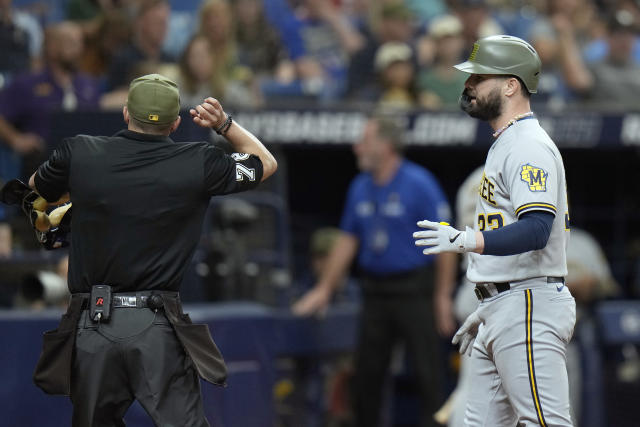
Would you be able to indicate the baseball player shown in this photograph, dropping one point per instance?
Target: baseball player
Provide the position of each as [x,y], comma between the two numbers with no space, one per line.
[518,335]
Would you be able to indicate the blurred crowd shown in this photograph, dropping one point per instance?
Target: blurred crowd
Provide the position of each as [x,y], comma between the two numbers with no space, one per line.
[394,54]
[247,53]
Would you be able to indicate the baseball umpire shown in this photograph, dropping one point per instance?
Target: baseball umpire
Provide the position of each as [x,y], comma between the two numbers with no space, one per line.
[139,200]
[520,331]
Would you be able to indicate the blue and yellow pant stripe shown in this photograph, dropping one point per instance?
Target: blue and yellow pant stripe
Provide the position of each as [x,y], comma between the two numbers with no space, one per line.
[530,364]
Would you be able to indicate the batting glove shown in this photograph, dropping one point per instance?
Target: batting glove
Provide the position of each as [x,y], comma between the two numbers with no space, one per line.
[441,237]
[467,333]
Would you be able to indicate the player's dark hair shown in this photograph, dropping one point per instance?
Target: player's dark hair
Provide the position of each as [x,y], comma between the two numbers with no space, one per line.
[523,88]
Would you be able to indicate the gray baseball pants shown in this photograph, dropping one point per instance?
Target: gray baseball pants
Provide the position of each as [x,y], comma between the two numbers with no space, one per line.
[518,360]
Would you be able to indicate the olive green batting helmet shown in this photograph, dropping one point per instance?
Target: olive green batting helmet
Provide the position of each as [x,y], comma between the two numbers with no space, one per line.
[505,55]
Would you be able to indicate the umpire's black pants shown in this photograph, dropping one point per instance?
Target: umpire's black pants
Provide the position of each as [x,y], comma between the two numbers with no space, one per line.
[397,309]
[136,355]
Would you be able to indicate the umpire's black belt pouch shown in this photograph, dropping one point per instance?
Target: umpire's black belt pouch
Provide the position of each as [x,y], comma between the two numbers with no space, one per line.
[53,370]
[197,342]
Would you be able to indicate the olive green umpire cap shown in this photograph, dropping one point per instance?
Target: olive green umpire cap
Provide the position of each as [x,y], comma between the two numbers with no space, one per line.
[506,55]
[153,99]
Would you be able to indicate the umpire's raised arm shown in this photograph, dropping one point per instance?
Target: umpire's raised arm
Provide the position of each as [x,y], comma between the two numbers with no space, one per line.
[140,200]
[210,114]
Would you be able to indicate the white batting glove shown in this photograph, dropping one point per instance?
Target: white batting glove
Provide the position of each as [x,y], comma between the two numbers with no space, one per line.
[467,333]
[441,237]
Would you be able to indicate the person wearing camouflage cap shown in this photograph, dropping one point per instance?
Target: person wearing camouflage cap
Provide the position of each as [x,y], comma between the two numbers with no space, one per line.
[518,335]
[153,102]
[498,59]
[507,56]
[139,201]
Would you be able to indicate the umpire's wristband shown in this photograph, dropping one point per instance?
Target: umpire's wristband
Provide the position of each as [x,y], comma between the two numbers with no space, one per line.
[225,126]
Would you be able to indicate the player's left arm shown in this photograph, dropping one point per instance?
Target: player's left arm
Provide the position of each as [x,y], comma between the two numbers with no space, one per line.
[531,232]
[531,179]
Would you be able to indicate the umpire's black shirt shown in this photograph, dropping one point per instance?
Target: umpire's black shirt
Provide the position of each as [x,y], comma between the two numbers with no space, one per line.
[138,204]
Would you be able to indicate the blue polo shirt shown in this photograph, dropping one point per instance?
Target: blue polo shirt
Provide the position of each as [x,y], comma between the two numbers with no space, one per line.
[383,218]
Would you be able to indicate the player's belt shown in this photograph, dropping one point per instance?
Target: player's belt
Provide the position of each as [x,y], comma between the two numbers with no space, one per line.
[488,290]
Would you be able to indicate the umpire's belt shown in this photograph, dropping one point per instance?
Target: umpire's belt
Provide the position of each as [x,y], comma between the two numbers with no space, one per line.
[53,370]
[488,290]
[139,299]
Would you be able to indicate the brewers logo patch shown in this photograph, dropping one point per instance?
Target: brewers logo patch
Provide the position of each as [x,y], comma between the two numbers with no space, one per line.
[534,176]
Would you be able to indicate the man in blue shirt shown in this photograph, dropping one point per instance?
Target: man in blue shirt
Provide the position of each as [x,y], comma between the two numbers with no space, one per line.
[402,292]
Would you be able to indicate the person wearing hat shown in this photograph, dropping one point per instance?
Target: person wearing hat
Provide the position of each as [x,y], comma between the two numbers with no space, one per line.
[139,200]
[396,72]
[440,84]
[517,251]
[391,23]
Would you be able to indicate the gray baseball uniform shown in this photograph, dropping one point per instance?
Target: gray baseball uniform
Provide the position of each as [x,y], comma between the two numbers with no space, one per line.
[519,354]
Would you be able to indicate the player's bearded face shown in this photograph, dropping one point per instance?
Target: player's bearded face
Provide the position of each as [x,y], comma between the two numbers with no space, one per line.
[485,108]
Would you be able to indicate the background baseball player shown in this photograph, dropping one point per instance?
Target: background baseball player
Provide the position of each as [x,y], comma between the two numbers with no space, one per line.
[520,331]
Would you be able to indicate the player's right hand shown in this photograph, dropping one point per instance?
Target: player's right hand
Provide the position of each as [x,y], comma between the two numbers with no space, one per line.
[467,333]
[209,114]
[315,301]
[440,237]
